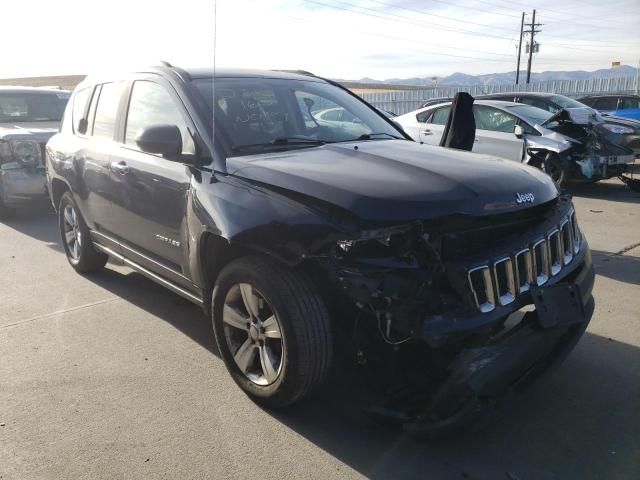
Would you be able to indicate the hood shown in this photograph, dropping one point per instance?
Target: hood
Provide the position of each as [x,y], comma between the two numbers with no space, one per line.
[38,131]
[398,180]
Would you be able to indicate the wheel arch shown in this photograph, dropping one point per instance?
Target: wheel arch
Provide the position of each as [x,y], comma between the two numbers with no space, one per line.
[58,187]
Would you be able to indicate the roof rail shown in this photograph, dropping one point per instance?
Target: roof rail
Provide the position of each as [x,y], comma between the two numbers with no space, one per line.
[299,72]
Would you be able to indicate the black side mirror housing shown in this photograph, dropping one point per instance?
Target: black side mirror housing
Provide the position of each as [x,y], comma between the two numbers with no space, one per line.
[165,140]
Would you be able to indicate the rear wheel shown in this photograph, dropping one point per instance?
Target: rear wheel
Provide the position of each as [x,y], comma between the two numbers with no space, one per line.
[76,238]
[272,330]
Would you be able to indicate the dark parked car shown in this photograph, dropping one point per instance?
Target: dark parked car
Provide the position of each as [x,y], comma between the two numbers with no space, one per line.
[295,238]
[621,131]
[28,118]
[627,106]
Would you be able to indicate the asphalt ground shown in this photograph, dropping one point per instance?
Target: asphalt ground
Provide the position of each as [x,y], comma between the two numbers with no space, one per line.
[110,376]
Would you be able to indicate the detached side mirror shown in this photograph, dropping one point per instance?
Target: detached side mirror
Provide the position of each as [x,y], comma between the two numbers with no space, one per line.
[518,131]
[160,139]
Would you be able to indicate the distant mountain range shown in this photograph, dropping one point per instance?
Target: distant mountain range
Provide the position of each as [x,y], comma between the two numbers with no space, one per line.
[464,80]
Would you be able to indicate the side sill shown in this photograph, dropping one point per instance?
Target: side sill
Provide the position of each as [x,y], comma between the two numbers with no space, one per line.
[152,276]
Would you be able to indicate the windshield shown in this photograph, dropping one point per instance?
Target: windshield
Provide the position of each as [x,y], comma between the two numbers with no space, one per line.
[17,106]
[257,114]
[566,102]
[533,114]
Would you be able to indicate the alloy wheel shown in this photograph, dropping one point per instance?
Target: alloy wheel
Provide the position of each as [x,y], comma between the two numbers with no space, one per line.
[253,334]
[72,234]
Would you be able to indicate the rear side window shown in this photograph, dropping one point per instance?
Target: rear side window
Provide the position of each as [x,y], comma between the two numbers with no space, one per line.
[441,115]
[107,110]
[80,100]
[151,104]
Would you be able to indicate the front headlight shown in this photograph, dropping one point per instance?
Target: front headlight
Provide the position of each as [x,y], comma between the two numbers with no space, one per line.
[26,152]
[618,129]
[383,237]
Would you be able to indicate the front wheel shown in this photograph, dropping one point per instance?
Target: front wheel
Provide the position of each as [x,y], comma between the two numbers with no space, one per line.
[555,169]
[81,254]
[272,329]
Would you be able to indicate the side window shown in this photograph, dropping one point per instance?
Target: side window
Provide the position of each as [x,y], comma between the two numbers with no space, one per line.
[107,110]
[80,100]
[423,116]
[606,103]
[629,102]
[492,119]
[441,115]
[151,104]
[536,102]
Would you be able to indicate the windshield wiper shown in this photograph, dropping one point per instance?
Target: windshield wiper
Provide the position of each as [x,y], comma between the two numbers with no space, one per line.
[282,142]
[369,136]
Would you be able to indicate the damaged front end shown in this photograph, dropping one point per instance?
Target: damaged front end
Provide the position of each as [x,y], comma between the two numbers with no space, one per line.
[577,145]
[440,309]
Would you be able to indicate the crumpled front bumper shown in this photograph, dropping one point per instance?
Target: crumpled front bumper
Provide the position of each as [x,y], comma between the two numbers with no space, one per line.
[20,185]
[484,376]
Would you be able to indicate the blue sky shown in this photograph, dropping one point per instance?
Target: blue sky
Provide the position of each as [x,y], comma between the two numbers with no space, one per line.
[335,38]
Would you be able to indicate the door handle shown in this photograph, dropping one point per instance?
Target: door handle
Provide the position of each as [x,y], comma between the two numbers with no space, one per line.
[427,132]
[475,140]
[120,167]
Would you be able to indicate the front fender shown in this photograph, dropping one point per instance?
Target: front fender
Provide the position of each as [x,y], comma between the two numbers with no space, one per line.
[257,218]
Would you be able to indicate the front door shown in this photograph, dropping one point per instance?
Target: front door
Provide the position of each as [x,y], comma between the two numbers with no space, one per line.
[495,133]
[150,209]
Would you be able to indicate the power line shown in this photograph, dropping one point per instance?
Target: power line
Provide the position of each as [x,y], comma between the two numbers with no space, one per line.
[423,12]
[401,19]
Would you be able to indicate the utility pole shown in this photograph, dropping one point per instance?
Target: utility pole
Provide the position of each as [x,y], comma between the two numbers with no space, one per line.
[532,43]
[519,50]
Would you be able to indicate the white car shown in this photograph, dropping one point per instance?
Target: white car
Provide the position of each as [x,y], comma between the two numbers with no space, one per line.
[570,145]
[496,122]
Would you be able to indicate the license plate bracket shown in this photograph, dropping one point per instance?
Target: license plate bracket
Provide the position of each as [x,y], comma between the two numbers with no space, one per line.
[559,304]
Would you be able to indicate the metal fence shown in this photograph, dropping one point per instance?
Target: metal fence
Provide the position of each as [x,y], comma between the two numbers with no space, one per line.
[404,101]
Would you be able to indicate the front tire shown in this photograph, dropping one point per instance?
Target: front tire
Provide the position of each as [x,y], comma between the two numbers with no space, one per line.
[76,239]
[272,329]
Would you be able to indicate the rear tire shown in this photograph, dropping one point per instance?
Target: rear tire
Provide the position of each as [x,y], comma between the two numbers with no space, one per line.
[253,295]
[76,239]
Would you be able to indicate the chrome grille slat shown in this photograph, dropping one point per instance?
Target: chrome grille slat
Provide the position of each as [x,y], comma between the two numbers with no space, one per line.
[555,252]
[567,241]
[506,292]
[541,265]
[500,281]
[524,275]
[485,299]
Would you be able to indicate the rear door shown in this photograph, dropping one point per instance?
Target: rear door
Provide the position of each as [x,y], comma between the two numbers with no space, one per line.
[150,208]
[495,133]
[431,131]
[94,157]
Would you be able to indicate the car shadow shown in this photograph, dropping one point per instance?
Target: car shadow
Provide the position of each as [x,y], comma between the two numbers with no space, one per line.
[611,190]
[39,222]
[579,422]
[155,299]
[623,268]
